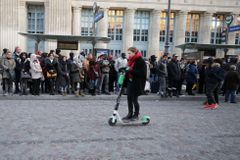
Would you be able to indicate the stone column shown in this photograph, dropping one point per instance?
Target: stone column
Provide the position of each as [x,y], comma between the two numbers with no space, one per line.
[180,28]
[22,25]
[205,28]
[102,29]
[9,21]
[58,20]
[154,33]
[128,29]
[76,25]
[232,35]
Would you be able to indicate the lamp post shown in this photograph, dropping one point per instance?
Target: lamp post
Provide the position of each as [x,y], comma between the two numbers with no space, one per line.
[166,47]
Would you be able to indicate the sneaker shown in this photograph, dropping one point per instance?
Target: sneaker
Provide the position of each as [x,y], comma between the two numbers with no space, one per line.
[135,117]
[213,106]
[233,102]
[107,93]
[206,106]
[128,117]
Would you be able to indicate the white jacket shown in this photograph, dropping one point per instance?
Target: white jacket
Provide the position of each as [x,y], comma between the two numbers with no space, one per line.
[120,63]
[36,69]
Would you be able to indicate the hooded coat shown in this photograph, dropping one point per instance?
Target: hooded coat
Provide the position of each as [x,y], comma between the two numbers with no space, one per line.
[232,80]
[36,69]
[8,68]
[63,73]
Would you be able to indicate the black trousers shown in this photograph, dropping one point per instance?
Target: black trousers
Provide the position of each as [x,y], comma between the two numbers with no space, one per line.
[201,87]
[17,80]
[133,102]
[52,82]
[8,83]
[189,87]
[36,86]
[24,85]
[212,91]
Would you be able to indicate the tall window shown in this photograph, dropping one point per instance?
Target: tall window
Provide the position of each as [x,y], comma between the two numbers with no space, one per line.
[86,22]
[115,53]
[237,40]
[216,29]
[191,34]
[144,53]
[141,26]
[163,27]
[35,17]
[115,24]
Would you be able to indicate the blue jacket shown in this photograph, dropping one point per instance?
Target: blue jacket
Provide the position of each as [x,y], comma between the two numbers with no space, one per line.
[192,73]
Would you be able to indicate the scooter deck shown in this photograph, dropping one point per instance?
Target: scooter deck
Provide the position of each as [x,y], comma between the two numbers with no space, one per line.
[139,121]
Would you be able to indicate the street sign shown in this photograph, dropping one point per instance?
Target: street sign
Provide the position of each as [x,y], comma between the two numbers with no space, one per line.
[98,16]
[229,19]
[234,28]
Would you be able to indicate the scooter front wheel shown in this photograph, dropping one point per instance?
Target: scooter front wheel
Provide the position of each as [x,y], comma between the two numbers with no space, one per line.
[112,121]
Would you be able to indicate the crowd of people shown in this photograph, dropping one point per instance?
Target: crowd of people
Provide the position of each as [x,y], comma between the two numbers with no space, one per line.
[80,74]
[212,76]
[53,73]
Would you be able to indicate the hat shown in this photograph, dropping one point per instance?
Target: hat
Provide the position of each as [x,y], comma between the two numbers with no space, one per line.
[174,55]
[5,50]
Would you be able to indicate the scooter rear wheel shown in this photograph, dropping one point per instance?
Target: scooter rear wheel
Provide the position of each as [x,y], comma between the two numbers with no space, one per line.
[112,122]
[146,122]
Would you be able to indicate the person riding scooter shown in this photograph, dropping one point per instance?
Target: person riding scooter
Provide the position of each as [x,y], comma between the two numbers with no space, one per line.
[135,82]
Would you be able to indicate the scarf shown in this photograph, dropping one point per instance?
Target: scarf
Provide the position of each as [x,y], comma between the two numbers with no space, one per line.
[132,61]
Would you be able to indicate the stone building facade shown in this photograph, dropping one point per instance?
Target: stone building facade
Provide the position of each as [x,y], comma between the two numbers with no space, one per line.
[140,23]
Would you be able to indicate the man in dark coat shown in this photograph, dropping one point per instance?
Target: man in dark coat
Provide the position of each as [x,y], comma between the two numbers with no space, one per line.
[16,56]
[214,77]
[232,81]
[174,75]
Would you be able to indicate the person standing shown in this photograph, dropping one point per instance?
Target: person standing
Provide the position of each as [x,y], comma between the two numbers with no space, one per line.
[105,69]
[232,81]
[192,77]
[174,75]
[162,73]
[214,77]
[120,67]
[94,73]
[74,74]
[154,82]
[3,56]
[80,59]
[25,72]
[63,76]
[8,64]
[135,81]
[16,56]
[201,81]
[112,74]
[36,73]
[52,68]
